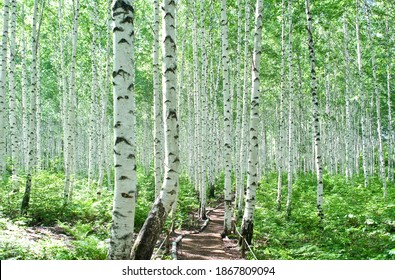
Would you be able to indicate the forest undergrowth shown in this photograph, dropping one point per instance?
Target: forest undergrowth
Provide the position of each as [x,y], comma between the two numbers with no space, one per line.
[358,222]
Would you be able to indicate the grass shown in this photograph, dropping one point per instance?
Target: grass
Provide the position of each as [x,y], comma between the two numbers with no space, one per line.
[85,222]
[359,223]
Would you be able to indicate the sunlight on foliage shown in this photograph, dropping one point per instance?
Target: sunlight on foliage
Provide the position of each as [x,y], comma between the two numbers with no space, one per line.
[357,225]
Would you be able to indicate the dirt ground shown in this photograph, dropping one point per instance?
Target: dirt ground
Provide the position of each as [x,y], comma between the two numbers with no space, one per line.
[208,244]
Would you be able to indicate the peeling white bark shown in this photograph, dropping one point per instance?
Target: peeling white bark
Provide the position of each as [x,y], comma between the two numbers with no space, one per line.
[3,122]
[145,241]
[252,165]
[316,121]
[124,131]
[227,121]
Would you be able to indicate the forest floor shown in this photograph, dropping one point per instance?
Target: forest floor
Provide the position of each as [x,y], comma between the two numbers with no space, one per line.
[18,241]
[359,223]
[208,244]
[36,234]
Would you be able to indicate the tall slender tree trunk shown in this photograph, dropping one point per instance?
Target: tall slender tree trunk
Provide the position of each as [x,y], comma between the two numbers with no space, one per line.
[315,120]
[391,152]
[124,131]
[252,167]
[104,164]
[362,95]
[244,118]
[290,114]
[93,128]
[281,126]
[149,233]
[196,97]
[65,105]
[227,122]
[158,146]
[203,121]
[378,107]
[348,160]
[38,158]
[239,112]
[12,94]
[25,110]
[71,141]
[3,122]
[32,115]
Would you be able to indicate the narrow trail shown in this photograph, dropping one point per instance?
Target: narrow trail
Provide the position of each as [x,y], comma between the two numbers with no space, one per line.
[208,244]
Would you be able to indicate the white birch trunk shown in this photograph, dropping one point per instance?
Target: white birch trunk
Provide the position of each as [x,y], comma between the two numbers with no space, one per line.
[65,105]
[104,140]
[203,121]
[252,166]
[239,111]
[145,242]
[244,118]
[93,102]
[196,91]
[71,141]
[290,114]
[32,115]
[3,122]
[12,93]
[124,131]
[38,111]
[227,121]
[362,95]
[158,146]
[280,131]
[348,159]
[391,140]
[316,121]
[378,107]
[25,110]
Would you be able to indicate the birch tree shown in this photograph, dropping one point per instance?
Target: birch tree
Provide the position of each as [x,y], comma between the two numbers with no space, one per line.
[32,115]
[316,120]
[12,94]
[239,101]
[378,109]
[93,100]
[280,130]
[227,121]
[104,140]
[65,103]
[361,93]
[3,122]
[145,241]
[347,97]
[38,107]
[244,118]
[290,113]
[25,113]
[71,135]
[124,131]
[157,101]
[196,98]
[203,121]
[391,151]
[252,166]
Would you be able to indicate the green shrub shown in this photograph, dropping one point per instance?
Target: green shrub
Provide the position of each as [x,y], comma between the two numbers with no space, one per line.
[358,222]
